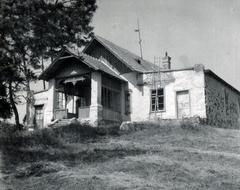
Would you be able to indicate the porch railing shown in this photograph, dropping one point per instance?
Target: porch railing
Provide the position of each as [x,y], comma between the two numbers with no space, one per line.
[60,113]
[83,112]
[111,115]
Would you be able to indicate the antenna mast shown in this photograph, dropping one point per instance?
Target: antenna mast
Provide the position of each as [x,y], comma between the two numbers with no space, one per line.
[140,40]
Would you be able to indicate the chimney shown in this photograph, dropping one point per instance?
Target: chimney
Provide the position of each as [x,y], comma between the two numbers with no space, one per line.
[166,62]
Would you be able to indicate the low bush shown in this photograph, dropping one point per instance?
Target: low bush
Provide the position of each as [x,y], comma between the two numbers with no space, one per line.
[190,123]
[6,129]
[44,138]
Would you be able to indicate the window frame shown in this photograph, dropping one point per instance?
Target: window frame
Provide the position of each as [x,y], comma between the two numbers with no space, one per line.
[159,96]
[128,100]
[109,96]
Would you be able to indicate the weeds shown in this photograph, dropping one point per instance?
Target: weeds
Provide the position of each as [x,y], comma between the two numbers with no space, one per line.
[155,155]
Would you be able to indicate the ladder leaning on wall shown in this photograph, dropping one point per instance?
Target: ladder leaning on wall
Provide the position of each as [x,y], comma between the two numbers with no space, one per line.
[155,85]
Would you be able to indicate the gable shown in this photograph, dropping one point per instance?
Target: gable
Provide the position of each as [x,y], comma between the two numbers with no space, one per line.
[101,53]
[71,67]
[100,47]
[71,62]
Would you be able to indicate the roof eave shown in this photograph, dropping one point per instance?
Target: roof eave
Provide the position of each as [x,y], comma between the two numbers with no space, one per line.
[41,76]
[45,76]
[79,58]
[208,71]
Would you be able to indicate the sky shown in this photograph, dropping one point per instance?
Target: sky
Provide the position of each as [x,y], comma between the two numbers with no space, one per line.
[191,31]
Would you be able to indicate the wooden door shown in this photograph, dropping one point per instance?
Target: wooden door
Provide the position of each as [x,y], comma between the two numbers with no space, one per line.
[39,116]
[183,104]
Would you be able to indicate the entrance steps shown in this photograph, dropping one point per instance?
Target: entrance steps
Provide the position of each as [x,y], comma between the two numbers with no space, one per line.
[64,122]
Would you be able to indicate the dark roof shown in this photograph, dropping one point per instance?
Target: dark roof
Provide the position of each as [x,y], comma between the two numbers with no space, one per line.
[211,73]
[134,62]
[84,58]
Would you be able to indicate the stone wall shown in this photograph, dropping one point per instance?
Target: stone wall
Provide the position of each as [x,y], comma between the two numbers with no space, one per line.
[222,103]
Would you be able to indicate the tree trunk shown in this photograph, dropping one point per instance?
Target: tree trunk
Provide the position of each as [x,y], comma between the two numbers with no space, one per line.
[15,111]
[29,95]
[44,86]
[29,98]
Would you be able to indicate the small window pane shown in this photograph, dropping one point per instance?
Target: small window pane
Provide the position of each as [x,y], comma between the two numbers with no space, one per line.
[157,99]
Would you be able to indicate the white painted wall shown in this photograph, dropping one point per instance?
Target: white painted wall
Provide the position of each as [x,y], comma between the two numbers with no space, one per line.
[140,98]
[181,80]
[49,105]
[185,80]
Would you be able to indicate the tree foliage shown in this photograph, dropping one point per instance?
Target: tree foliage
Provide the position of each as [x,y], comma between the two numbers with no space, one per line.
[32,31]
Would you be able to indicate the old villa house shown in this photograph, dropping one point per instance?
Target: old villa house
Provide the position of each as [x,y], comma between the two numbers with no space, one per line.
[105,82]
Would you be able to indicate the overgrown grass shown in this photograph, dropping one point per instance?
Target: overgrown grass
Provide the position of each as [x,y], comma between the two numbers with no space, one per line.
[150,156]
[50,143]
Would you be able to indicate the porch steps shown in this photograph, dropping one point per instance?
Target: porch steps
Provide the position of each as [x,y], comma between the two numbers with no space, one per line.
[61,122]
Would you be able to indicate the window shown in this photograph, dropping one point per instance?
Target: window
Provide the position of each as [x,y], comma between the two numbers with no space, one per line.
[128,102]
[111,99]
[157,99]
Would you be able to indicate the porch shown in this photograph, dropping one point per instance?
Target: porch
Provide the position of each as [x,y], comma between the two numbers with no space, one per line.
[84,113]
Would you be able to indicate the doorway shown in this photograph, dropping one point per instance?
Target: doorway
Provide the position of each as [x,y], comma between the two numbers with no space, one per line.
[183,104]
[39,116]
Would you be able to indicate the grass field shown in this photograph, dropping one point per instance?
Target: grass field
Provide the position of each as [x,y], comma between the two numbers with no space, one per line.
[153,156]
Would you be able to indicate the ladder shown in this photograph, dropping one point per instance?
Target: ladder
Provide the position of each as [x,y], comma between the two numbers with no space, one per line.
[156,84]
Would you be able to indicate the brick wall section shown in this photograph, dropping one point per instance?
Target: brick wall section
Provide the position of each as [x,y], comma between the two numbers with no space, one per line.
[222,103]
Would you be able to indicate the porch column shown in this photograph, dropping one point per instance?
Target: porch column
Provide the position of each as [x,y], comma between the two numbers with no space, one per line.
[96,93]
[48,113]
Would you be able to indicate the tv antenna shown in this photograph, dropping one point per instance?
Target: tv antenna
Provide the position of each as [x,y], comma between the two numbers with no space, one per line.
[140,40]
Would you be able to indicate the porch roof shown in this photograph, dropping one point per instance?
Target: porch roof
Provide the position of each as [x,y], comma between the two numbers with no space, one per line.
[84,58]
[134,62]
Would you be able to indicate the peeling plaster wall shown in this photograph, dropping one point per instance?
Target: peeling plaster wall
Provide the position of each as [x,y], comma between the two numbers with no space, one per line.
[222,104]
[172,82]
[185,80]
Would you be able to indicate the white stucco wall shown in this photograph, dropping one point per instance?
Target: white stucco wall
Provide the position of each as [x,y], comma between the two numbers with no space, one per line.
[139,100]
[41,98]
[47,99]
[188,80]
[172,82]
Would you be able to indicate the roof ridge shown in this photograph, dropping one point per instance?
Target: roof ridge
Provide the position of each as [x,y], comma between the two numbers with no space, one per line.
[80,52]
[122,48]
[109,67]
[134,56]
[89,56]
